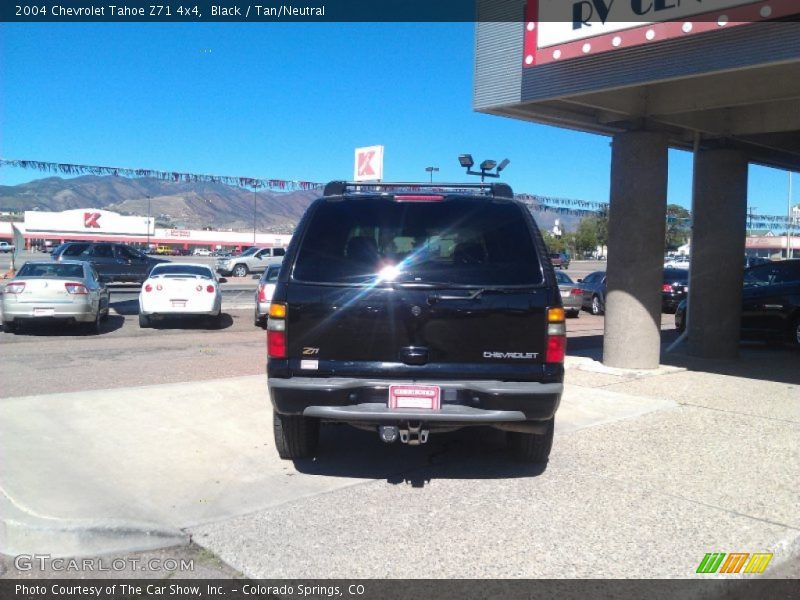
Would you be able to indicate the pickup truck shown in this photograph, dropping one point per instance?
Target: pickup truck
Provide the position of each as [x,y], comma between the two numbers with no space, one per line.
[6,247]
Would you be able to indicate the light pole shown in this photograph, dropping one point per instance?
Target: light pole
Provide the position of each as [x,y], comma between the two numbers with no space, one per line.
[431,170]
[465,160]
[255,187]
[148,224]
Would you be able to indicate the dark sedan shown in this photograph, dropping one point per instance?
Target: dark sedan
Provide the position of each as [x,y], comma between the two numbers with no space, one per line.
[593,287]
[674,287]
[770,303]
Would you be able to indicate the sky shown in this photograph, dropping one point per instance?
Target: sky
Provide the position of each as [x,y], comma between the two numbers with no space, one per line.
[288,101]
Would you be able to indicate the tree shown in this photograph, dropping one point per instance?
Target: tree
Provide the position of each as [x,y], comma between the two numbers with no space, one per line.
[586,235]
[678,227]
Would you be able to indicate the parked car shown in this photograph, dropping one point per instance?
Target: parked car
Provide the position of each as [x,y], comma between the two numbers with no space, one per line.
[560,260]
[6,247]
[66,291]
[114,262]
[264,291]
[416,309]
[752,261]
[593,287]
[164,249]
[252,260]
[571,294]
[770,303]
[677,262]
[674,288]
[180,290]
[201,252]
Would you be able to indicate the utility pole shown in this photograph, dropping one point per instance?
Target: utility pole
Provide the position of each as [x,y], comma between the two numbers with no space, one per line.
[751,210]
[255,187]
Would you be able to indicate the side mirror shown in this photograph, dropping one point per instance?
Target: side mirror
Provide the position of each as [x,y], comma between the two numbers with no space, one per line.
[222,280]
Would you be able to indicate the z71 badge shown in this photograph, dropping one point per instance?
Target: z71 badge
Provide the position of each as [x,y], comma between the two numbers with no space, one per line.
[308,351]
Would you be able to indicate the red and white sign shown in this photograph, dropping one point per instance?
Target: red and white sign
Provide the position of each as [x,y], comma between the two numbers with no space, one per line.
[368,164]
[426,397]
[557,30]
[90,219]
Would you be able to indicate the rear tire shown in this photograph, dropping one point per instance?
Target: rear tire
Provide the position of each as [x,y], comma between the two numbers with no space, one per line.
[532,447]
[239,271]
[93,327]
[575,313]
[144,321]
[9,327]
[296,436]
[795,333]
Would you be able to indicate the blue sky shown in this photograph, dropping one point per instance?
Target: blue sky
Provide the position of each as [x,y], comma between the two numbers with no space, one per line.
[287,101]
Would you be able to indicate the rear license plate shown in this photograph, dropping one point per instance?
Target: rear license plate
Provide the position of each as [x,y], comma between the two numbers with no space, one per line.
[179,304]
[44,312]
[415,396]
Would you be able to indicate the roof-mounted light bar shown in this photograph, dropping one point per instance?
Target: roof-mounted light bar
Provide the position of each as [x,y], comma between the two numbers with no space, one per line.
[342,188]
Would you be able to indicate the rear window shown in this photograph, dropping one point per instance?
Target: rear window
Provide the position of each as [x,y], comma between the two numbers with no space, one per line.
[460,242]
[181,271]
[56,270]
[671,275]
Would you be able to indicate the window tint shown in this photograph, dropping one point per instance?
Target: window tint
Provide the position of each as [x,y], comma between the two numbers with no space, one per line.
[469,241]
[103,251]
[272,274]
[75,249]
[671,275]
[760,275]
[591,278]
[126,253]
[278,251]
[55,269]
[787,273]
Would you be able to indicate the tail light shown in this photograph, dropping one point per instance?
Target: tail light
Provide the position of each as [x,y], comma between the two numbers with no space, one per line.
[76,288]
[262,295]
[576,292]
[15,287]
[148,288]
[276,331]
[556,336]
[210,289]
[667,287]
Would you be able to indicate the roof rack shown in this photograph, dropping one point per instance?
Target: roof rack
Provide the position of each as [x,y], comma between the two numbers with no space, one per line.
[341,188]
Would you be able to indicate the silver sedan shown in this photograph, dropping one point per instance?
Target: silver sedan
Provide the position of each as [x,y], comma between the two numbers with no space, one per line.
[571,294]
[47,291]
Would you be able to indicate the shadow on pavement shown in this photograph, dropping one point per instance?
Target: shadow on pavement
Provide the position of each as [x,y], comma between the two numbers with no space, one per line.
[469,453]
[757,360]
[192,322]
[65,329]
[125,307]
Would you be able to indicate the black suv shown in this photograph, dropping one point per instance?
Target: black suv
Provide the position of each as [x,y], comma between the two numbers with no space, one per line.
[406,309]
[113,262]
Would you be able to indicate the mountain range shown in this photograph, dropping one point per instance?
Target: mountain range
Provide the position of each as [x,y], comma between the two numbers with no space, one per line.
[189,205]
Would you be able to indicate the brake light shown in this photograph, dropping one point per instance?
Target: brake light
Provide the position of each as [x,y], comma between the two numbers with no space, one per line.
[556,349]
[210,289]
[15,288]
[76,288]
[276,331]
[262,295]
[556,335]
[667,287]
[418,198]
[576,292]
[148,288]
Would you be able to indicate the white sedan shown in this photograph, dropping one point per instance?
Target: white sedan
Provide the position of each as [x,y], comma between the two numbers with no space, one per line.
[180,289]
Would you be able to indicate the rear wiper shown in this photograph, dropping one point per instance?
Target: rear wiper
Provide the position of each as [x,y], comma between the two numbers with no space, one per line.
[476,293]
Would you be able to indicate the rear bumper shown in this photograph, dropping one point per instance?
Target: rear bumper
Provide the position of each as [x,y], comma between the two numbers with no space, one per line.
[77,313]
[463,402]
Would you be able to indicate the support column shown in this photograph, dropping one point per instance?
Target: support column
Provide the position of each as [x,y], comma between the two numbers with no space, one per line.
[718,239]
[636,230]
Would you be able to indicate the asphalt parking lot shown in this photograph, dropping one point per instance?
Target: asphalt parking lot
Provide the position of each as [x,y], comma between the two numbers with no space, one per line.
[133,440]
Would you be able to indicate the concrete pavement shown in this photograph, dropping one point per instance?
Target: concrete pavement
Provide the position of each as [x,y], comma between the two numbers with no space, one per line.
[650,470]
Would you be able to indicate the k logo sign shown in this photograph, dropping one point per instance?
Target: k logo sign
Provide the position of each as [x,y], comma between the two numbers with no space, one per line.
[369,164]
[91,219]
